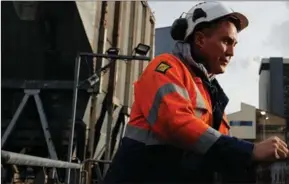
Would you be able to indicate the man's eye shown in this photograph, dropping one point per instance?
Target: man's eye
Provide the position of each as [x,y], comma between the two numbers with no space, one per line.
[229,42]
[226,42]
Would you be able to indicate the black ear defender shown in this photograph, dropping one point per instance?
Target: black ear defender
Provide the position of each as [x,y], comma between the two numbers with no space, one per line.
[199,13]
[179,28]
[180,25]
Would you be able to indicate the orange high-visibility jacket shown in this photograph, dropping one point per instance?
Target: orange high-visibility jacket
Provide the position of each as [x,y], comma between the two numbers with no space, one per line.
[172,106]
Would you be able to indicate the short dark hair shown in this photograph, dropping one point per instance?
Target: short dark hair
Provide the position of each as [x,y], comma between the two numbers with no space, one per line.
[208,27]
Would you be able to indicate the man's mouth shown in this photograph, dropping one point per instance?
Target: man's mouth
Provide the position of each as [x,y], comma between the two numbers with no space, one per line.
[224,61]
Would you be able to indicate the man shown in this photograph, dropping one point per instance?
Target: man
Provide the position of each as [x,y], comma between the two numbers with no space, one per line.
[178,131]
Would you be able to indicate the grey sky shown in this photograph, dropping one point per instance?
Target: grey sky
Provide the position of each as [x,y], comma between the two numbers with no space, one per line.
[266,36]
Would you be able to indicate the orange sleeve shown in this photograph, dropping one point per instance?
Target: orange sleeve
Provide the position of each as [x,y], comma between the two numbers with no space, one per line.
[170,109]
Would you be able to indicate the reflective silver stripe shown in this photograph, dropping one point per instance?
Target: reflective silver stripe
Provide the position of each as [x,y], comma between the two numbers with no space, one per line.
[204,143]
[200,102]
[211,135]
[142,135]
[206,140]
[164,90]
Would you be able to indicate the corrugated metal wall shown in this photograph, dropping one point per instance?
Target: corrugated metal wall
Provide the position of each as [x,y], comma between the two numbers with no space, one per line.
[137,26]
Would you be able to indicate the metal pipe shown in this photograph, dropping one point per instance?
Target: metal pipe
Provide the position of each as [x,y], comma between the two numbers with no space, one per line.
[97,161]
[28,160]
[74,106]
[75,91]
[131,42]
[111,85]
[98,63]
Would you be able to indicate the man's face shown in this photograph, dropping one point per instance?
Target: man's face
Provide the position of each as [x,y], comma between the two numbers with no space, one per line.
[218,47]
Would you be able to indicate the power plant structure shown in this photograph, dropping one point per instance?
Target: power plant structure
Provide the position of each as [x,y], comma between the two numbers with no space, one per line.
[68,69]
[52,110]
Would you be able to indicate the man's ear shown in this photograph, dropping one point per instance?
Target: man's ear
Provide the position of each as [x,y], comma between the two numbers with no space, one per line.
[199,39]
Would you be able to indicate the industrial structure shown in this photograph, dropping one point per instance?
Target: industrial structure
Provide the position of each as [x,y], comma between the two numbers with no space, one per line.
[48,110]
[163,41]
[67,85]
[255,124]
[274,87]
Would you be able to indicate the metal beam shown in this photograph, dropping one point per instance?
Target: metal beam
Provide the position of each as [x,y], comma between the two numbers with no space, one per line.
[11,125]
[41,84]
[116,57]
[74,108]
[27,160]
[113,58]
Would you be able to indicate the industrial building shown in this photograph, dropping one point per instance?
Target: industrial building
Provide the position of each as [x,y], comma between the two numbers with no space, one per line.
[255,124]
[163,40]
[41,42]
[274,87]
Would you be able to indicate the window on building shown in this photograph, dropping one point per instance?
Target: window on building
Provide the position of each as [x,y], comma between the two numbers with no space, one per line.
[286,91]
[272,128]
[241,123]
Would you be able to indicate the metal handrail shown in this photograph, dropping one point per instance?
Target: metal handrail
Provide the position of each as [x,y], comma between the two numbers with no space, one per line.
[28,160]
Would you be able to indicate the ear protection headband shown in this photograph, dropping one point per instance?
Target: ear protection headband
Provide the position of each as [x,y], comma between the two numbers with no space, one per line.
[179,28]
[180,25]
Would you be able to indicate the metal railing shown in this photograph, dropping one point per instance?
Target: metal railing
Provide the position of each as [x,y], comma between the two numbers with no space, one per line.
[27,160]
[12,158]
[18,159]
[274,173]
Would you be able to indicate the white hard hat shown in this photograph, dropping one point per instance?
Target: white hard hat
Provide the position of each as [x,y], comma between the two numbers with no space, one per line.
[209,11]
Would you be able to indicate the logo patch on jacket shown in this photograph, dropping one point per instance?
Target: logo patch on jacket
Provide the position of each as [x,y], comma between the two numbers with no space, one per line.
[163,67]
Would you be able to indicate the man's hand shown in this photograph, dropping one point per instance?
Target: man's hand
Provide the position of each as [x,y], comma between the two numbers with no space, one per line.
[270,149]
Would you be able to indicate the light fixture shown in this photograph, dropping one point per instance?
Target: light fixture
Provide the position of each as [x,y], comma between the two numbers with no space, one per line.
[267,118]
[262,113]
[113,51]
[142,49]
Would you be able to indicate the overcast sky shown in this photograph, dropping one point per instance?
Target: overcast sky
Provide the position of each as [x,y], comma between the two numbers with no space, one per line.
[266,36]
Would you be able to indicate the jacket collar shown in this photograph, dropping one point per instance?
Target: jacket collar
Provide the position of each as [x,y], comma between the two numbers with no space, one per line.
[183,51]
[220,100]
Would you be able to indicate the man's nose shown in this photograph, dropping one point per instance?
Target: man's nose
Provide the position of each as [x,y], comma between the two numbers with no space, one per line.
[230,50]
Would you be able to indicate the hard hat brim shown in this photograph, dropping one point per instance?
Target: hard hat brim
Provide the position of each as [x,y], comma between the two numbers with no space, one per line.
[244,22]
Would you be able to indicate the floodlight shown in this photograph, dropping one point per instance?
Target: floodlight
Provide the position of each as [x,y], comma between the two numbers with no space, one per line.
[142,49]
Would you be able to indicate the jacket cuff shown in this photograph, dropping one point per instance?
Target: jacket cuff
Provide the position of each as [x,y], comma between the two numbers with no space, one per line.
[232,152]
